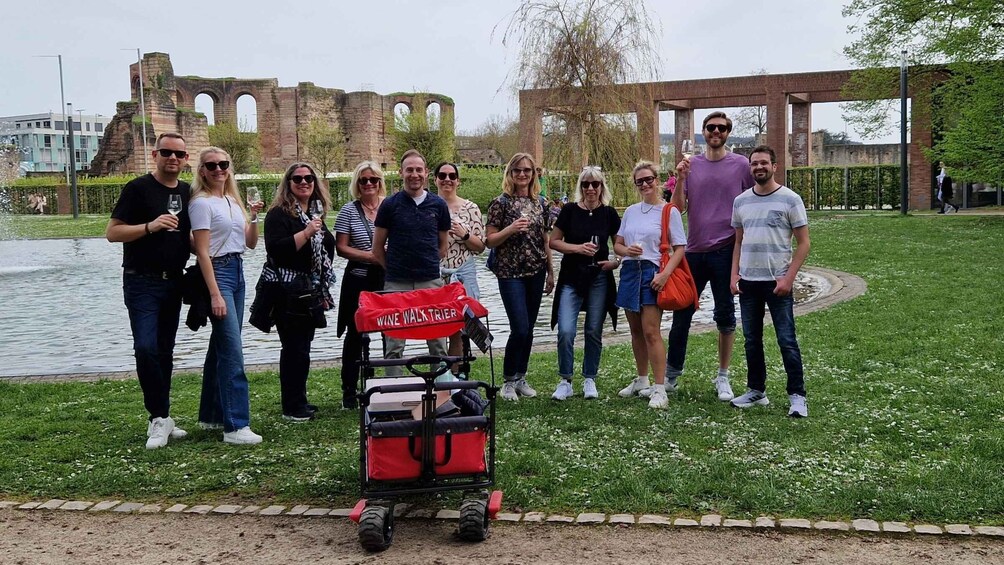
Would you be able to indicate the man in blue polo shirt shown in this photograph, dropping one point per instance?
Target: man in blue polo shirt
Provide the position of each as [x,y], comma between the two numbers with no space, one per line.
[414,224]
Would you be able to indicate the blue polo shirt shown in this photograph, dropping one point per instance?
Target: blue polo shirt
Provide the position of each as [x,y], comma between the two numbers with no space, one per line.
[413,235]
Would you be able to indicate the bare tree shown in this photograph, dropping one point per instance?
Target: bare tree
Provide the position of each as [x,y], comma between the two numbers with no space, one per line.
[578,48]
[752,120]
[500,133]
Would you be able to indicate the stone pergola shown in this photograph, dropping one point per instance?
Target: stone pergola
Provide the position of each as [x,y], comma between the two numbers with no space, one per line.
[776,92]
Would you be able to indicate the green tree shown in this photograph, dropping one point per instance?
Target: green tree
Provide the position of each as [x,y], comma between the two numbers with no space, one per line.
[578,48]
[433,136]
[244,147]
[324,144]
[956,46]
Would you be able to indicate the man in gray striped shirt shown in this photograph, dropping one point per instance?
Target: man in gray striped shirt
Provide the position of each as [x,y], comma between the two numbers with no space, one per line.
[763,271]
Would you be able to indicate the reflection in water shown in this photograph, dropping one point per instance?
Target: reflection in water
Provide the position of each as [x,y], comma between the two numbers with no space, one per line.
[61,311]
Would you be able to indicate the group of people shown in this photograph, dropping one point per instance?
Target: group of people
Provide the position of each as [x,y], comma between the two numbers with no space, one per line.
[737,240]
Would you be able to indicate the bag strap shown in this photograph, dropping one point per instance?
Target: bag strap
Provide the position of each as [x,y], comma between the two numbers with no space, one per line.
[664,243]
[366,222]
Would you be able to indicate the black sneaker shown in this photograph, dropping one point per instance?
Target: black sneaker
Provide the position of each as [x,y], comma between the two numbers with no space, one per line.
[312,408]
[349,402]
[302,416]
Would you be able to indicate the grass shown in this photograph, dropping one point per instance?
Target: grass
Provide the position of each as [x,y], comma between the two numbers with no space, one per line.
[53,226]
[905,414]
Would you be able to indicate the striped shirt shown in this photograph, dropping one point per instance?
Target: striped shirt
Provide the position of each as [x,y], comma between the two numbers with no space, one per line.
[767,223]
[351,223]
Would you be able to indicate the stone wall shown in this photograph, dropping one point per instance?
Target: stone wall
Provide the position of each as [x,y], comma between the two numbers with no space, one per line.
[364,118]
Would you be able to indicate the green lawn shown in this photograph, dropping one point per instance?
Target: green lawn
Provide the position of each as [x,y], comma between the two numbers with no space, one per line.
[49,226]
[905,419]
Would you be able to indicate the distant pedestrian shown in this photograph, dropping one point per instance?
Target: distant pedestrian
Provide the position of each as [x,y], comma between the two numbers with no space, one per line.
[945,192]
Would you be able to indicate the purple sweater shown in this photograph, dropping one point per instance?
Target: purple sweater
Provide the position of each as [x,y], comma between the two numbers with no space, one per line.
[711,188]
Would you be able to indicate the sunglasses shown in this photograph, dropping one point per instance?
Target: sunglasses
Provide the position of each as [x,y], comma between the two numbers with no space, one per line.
[720,128]
[168,152]
[519,171]
[223,165]
[444,176]
[591,183]
[297,179]
[643,181]
[363,181]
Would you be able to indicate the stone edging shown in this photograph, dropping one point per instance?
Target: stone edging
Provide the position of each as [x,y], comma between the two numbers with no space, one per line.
[586,518]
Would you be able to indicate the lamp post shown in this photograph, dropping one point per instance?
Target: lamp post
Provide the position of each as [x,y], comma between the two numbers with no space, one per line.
[142,110]
[62,101]
[74,197]
[904,191]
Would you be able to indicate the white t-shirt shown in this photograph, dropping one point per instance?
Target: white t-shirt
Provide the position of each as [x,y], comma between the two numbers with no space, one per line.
[642,223]
[224,219]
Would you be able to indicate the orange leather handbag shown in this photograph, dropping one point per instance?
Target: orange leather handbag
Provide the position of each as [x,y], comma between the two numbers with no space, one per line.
[680,290]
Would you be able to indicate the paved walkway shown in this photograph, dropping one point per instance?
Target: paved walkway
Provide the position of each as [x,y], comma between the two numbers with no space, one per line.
[843,287]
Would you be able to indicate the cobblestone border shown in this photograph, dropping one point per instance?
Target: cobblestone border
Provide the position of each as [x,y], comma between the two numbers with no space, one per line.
[404,511]
[843,287]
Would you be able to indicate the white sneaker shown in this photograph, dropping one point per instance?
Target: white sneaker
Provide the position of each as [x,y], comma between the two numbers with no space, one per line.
[589,391]
[723,389]
[523,388]
[647,393]
[243,436]
[751,398]
[563,390]
[509,391]
[799,409]
[658,398]
[178,433]
[158,431]
[637,385]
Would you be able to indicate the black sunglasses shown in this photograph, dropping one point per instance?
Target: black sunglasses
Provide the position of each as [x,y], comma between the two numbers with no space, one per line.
[363,181]
[591,183]
[444,176]
[721,128]
[297,179]
[168,152]
[643,181]
[223,165]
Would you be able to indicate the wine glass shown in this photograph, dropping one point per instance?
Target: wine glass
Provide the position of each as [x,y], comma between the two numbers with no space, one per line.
[253,195]
[687,148]
[595,240]
[316,210]
[173,206]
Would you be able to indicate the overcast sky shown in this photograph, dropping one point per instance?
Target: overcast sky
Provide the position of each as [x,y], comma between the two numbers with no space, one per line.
[444,46]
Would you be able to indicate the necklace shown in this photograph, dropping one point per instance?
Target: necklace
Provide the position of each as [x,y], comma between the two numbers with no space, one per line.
[371,209]
[652,207]
[590,210]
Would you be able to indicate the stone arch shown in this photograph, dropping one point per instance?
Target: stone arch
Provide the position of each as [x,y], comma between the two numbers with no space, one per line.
[207,107]
[434,114]
[401,108]
[246,110]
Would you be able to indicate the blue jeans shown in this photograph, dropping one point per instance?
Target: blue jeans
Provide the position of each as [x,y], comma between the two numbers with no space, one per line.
[568,315]
[521,298]
[225,397]
[754,296]
[468,275]
[714,267]
[154,306]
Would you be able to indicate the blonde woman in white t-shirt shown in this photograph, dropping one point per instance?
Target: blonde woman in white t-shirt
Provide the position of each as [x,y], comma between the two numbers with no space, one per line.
[221,231]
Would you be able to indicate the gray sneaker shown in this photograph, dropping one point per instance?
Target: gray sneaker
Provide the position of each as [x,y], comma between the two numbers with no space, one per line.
[509,391]
[563,391]
[523,388]
[589,391]
[723,389]
[799,409]
[751,398]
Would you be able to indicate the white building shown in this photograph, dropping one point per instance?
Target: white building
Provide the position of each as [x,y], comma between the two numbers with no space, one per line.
[42,139]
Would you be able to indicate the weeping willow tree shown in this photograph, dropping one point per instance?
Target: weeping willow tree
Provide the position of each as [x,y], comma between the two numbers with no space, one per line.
[577,49]
[955,50]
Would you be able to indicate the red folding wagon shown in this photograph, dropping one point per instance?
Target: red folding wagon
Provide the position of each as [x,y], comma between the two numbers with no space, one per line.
[422,434]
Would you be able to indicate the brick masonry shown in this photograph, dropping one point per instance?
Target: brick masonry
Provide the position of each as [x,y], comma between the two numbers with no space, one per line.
[365,118]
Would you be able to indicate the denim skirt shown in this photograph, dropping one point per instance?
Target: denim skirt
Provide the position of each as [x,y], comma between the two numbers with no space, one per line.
[635,288]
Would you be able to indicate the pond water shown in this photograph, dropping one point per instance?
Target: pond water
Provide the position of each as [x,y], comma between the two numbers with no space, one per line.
[61,311]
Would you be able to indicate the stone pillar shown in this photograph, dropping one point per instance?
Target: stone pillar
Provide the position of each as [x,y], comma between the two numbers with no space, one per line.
[801,134]
[647,114]
[777,127]
[684,129]
[224,111]
[531,128]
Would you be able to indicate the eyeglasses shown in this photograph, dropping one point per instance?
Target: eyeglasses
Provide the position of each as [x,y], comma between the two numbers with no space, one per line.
[168,152]
[223,165]
[297,179]
[444,176]
[363,181]
[720,128]
[590,184]
[643,181]
[519,171]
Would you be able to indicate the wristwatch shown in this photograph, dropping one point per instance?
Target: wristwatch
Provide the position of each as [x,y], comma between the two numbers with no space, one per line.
[466,236]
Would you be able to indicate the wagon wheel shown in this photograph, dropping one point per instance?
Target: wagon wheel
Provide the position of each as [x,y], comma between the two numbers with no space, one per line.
[474,520]
[376,528]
